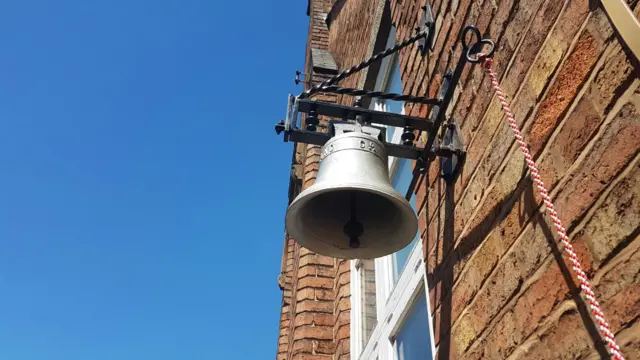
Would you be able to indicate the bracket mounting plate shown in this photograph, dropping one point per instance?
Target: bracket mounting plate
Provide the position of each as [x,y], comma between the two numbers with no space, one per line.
[427,22]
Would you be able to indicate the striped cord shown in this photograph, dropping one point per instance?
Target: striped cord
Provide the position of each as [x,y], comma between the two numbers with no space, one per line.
[594,306]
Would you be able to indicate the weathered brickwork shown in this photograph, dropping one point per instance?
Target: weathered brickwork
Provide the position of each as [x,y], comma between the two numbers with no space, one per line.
[502,284]
[499,286]
[315,311]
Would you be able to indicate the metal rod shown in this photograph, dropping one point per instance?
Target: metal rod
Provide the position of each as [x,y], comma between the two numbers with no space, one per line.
[440,112]
[437,122]
[353,229]
[287,121]
[294,117]
[379,94]
[394,150]
[354,69]
[371,116]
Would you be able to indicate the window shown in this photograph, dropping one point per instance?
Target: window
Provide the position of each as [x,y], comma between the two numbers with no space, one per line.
[401,181]
[390,316]
[402,330]
[410,341]
[389,80]
[367,299]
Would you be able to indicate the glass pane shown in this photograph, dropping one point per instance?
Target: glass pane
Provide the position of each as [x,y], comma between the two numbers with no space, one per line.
[368,298]
[401,182]
[412,339]
[394,85]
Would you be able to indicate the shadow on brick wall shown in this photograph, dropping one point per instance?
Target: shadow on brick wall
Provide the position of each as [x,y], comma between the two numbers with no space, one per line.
[447,278]
[574,290]
[444,276]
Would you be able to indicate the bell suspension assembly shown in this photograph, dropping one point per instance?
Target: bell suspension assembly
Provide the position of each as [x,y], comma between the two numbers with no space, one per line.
[352,210]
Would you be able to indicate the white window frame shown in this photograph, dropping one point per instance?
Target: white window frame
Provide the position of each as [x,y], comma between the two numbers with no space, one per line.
[394,300]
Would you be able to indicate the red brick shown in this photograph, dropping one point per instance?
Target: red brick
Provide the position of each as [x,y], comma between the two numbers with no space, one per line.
[344,317]
[622,208]
[508,276]
[344,291]
[455,31]
[442,33]
[611,81]
[323,319]
[311,357]
[580,126]
[315,259]
[629,340]
[301,346]
[314,306]
[550,288]
[568,337]
[324,347]
[533,306]
[318,282]
[343,332]
[611,152]
[344,267]
[563,91]
[305,294]
[533,38]
[344,304]
[314,332]
[322,294]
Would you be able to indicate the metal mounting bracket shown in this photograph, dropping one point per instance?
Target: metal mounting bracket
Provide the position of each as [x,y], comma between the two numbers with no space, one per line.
[427,22]
[451,166]
[298,80]
[446,144]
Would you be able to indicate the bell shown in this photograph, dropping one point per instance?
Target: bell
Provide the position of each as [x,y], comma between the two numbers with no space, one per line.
[352,211]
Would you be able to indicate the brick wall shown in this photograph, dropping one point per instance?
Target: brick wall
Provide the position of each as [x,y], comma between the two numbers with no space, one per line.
[315,311]
[498,285]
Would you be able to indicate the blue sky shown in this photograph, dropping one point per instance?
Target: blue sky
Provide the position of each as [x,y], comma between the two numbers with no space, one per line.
[142,186]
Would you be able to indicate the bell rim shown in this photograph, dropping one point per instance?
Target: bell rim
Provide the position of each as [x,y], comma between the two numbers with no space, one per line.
[324,248]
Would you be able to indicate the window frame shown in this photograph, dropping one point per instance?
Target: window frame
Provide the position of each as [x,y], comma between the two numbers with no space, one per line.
[394,299]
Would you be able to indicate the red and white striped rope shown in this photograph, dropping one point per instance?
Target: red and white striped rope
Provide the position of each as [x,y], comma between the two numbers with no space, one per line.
[562,233]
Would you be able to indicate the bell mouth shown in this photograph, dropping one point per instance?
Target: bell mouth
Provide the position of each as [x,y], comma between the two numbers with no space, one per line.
[355,221]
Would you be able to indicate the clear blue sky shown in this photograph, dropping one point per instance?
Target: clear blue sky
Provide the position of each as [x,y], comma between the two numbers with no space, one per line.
[142,186]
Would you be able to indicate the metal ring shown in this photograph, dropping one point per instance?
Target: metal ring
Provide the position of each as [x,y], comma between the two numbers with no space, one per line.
[474,55]
[465,31]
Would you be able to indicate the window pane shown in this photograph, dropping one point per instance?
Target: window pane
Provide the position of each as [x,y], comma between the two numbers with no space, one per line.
[368,298]
[401,182]
[412,339]
[394,85]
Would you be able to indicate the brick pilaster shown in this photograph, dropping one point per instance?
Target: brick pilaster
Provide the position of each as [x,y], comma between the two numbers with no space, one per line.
[312,321]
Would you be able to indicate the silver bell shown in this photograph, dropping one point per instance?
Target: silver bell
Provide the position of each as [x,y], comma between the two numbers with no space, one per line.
[352,211]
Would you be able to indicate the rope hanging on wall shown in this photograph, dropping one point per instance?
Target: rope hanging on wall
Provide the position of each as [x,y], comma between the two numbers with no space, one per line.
[585,285]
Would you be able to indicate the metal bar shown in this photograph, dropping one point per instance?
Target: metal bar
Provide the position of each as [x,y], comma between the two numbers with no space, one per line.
[308,137]
[403,151]
[287,121]
[427,21]
[294,116]
[442,110]
[625,23]
[379,94]
[439,113]
[354,69]
[371,116]
[424,163]
[395,150]
[438,117]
